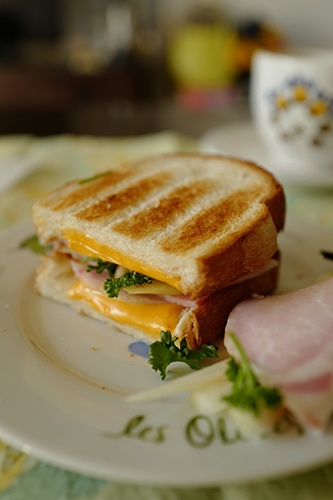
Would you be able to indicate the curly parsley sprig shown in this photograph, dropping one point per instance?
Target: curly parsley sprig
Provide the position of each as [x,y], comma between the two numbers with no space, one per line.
[247,392]
[163,352]
[113,286]
[100,266]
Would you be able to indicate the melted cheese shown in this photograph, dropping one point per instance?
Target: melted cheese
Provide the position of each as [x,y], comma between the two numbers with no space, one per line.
[149,318]
[85,245]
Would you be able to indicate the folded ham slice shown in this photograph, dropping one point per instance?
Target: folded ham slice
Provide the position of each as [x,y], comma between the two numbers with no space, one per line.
[288,340]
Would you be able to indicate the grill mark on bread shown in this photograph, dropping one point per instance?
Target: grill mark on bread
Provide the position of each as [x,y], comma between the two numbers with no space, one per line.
[210,222]
[91,189]
[175,203]
[124,198]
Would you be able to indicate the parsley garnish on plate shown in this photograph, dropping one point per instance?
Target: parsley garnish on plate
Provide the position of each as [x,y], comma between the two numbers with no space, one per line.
[33,244]
[247,392]
[113,286]
[163,352]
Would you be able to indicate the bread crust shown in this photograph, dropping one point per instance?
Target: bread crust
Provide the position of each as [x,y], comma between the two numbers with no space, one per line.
[241,258]
[207,322]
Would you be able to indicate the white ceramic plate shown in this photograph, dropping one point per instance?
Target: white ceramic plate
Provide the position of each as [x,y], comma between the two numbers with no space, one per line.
[63,378]
[241,139]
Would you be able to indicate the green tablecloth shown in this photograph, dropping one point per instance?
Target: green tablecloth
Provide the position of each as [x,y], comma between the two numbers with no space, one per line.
[59,159]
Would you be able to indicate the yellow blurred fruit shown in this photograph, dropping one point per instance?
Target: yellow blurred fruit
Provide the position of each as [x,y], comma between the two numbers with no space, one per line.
[201,56]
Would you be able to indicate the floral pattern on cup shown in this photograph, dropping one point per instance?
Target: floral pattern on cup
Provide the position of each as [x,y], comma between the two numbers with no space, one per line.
[300,112]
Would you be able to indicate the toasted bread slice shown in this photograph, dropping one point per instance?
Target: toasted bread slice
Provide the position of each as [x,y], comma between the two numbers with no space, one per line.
[199,324]
[197,222]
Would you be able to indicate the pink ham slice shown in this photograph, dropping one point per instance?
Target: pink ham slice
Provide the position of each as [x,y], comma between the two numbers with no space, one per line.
[288,340]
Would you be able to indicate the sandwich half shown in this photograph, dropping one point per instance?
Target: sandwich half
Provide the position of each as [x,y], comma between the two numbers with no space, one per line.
[172,242]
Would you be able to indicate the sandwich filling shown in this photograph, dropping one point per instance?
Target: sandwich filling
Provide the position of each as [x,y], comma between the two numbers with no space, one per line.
[149,305]
[85,245]
[144,316]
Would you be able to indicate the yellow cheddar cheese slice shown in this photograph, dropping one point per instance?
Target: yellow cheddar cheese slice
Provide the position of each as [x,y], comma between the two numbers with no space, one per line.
[85,245]
[149,318]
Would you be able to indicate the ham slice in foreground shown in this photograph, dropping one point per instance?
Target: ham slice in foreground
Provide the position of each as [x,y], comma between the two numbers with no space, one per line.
[288,340]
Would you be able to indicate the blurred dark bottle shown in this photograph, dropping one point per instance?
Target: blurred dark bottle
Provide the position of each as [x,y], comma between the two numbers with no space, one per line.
[98,34]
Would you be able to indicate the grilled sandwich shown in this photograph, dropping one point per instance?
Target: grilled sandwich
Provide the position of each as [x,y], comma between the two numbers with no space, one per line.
[172,242]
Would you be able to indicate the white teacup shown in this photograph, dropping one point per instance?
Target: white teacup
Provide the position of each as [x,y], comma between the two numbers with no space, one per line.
[291,99]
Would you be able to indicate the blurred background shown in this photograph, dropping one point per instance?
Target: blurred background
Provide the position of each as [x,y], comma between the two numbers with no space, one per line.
[129,67]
